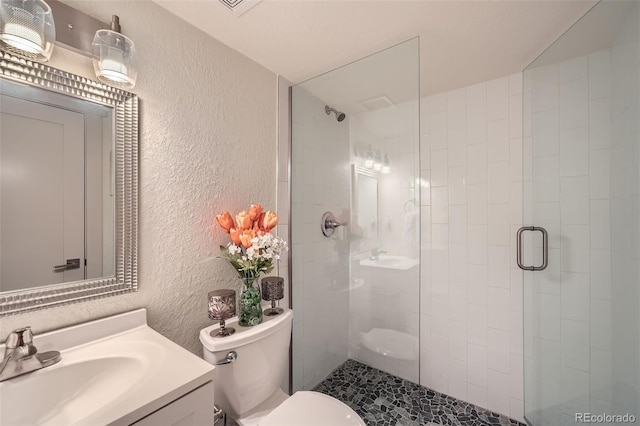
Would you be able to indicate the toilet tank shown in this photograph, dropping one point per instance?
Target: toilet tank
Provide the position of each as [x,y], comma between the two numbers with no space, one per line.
[257,372]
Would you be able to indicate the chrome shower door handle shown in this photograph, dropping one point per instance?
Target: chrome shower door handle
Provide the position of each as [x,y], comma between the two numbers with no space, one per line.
[545,248]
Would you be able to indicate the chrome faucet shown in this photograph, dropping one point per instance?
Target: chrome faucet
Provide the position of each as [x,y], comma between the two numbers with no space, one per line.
[375,254]
[21,356]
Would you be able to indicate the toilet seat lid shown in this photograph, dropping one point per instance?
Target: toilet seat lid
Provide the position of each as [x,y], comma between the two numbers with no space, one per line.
[312,409]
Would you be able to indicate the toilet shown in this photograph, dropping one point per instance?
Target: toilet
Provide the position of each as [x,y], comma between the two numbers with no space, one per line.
[249,388]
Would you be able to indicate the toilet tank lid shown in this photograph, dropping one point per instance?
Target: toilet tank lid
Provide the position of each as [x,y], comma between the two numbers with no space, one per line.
[312,409]
[243,335]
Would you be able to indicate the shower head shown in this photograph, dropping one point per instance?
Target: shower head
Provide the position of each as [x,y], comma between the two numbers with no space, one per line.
[340,116]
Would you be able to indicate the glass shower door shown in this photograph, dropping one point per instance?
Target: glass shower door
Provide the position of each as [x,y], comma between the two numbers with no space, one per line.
[354,153]
[582,185]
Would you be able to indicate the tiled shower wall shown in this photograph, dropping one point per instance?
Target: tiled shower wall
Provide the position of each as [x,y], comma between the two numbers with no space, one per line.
[471,295]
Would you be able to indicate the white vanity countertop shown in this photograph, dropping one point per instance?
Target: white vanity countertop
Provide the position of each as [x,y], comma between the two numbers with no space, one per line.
[114,371]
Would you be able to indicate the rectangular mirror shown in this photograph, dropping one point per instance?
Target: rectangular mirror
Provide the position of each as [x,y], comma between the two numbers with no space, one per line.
[365,201]
[68,187]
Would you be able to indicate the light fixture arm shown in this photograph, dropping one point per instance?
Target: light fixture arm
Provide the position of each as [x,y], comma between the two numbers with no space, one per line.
[115,24]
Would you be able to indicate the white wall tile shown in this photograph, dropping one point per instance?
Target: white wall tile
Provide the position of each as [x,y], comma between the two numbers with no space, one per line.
[574,152]
[477,365]
[498,99]
[600,173]
[439,168]
[601,324]
[599,74]
[575,295]
[601,274]
[499,229]
[573,69]
[458,379]
[544,83]
[515,84]
[499,266]
[477,123]
[498,308]
[546,133]
[546,172]
[575,344]
[498,391]
[457,186]
[575,248]
[515,116]
[498,140]
[477,395]
[574,392]
[574,199]
[498,351]
[574,104]
[477,201]
[457,144]
[477,164]
[499,182]
[477,325]
[599,124]
[476,94]
[458,341]
[600,225]
[477,284]
[440,204]
[478,244]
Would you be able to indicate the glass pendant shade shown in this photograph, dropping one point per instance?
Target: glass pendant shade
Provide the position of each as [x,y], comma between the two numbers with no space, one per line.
[27,29]
[114,59]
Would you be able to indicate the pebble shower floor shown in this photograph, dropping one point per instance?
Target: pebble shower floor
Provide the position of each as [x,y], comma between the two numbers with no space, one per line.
[385,400]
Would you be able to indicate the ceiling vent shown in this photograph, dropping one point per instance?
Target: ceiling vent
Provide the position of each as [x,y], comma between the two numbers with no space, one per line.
[238,7]
[377,103]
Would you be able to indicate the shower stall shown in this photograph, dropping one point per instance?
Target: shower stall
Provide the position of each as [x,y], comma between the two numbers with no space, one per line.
[355,217]
[483,242]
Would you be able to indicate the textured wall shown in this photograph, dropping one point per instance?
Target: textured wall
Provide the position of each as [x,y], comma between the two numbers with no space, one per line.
[207,143]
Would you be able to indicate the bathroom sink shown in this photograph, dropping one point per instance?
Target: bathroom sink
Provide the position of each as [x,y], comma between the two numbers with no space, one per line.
[115,379]
[391,262]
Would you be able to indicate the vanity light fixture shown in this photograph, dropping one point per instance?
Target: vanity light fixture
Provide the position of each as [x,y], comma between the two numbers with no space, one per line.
[368,161]
[114,57]
[385,165]
[377,163]
[27,29]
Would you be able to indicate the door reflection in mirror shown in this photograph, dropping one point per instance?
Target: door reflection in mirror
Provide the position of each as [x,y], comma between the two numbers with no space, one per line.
[56,189]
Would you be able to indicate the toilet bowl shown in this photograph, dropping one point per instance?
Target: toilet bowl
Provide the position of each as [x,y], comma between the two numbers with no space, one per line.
[249,388]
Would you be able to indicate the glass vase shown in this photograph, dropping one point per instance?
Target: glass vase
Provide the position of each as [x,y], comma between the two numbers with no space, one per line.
[250,307]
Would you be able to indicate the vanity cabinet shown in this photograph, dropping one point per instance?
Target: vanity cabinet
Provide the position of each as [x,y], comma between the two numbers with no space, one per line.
[193,409]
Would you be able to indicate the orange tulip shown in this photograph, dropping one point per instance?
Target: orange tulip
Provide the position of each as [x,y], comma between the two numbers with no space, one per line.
[235,236]
[225,221]
[243,221]
[255,211]
[270,220]
[246,237]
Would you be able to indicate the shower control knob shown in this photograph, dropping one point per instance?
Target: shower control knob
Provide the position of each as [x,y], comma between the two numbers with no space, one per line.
[328,224]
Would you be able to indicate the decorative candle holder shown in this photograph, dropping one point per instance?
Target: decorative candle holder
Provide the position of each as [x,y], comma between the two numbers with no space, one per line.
[273,289]
[222,306]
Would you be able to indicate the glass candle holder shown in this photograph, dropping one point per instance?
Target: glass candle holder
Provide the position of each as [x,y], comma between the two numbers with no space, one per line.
[222,306]
[273,289]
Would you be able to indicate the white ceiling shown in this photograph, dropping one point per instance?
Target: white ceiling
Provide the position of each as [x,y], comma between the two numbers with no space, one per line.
[461,42]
